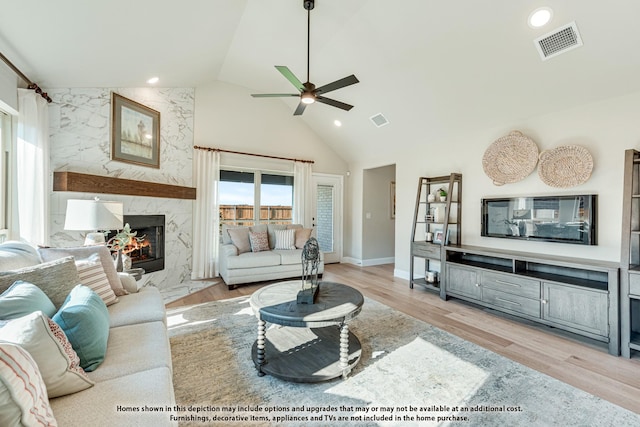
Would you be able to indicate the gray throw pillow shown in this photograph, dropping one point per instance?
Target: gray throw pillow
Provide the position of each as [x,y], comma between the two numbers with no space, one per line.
[55,278]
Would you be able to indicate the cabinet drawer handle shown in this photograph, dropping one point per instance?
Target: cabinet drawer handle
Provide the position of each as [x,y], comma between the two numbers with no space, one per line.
[506,300]
[502,282]
[544,301]
[477,285]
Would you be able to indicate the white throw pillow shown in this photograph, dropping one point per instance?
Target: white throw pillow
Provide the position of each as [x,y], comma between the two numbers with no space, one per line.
[92,275]
[23,394]
[285,239]
[58,363]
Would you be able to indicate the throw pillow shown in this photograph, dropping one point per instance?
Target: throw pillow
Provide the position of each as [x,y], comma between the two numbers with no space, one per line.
[259,241]
[92,275]
[285,239]
[85,321]
[302,235]
[23,394]
[23,298]
[84,252]
[240,239]
[272,233]
[55,278]
[59,365]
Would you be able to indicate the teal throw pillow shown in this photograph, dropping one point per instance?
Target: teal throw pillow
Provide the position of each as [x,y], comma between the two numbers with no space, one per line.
[85,321]
[24,298]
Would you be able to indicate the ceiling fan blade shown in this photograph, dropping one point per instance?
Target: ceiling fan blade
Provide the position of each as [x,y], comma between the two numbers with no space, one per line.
[338,84]
[300,109]
[273,95]
[334,103]
[286,72]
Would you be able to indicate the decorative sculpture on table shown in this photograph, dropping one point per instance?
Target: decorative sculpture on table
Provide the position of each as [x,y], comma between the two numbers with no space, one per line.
[310,259]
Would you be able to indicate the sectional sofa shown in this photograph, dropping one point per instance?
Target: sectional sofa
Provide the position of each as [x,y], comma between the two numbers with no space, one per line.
[133,383]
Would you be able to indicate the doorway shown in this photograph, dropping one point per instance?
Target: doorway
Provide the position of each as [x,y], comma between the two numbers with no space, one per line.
[327,215]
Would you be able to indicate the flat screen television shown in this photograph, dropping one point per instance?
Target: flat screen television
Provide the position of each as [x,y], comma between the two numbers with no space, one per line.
[564,219]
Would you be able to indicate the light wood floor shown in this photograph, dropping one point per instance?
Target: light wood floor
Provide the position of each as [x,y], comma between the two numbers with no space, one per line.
[582,365]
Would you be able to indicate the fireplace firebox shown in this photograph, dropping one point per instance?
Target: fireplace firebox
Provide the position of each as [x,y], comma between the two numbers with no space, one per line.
[147,251]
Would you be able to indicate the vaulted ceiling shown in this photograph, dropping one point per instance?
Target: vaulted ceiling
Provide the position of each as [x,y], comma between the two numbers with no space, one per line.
[433,68]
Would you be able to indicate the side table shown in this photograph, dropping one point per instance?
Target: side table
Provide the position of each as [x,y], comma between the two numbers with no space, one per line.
[307,342]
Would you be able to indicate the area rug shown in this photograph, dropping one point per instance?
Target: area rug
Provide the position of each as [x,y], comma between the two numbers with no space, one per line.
[410,374]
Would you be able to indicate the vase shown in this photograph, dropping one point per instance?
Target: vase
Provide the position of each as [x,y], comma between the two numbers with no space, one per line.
[431,198]
[443,198]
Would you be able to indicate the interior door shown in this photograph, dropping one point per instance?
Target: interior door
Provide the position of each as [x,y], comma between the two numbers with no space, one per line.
[327,215]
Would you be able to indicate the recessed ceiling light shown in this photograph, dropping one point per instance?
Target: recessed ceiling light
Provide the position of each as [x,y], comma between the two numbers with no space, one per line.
[540,17]
[153,80]
[337,123]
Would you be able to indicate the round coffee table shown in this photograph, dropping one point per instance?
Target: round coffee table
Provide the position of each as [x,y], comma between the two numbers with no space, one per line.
[312,342]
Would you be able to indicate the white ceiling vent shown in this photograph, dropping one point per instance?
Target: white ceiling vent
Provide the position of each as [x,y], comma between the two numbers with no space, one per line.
[379,120]
[558,41]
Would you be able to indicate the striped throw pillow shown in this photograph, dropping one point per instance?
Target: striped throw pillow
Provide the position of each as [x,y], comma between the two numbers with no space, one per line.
[93,276]
[23,395]
[285,239]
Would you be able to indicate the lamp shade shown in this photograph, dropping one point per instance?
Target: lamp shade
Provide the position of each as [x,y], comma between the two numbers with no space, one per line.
[93,215]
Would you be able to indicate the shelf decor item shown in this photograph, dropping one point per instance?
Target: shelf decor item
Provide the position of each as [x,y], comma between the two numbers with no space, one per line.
[510,158]
[135,132]
[565,166]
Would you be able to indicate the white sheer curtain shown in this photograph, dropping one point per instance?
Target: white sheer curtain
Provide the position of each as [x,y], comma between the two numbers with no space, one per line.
[32,163]
[206,219]
[302,193]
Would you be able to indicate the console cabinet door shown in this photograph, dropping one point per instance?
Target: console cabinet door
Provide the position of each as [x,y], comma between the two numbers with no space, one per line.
[582,309]
[464,281]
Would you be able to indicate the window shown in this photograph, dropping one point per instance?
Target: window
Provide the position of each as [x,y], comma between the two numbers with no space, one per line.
[241,191]
[5,146]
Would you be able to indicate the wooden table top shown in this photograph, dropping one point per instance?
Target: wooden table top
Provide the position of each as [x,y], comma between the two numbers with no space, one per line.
[335,303]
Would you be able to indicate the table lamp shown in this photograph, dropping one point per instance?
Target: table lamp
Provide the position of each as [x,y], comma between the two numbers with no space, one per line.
[94,216]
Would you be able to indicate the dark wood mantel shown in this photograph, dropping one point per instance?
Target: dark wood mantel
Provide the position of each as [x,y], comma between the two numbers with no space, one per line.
[85,183]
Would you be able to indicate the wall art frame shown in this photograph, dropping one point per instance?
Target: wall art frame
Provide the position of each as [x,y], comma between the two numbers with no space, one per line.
[135,132]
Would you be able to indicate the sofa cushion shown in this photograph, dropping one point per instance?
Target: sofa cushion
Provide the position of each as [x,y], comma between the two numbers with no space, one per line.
[23,298]
[14,255]
[240,239]
[288,257]
[259,241]
[92,274]
[23,394]
[85,320]
[86,252]
[98,406]
[252,260]
[58,363]
[55,278]
[134,348]
[145,306]
[302,235]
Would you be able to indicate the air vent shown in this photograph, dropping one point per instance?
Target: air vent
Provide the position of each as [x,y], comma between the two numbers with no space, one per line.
[558,41]
[379,120]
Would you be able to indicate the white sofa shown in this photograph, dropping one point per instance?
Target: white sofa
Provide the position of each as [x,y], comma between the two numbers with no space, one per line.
[137,368]
[237,265]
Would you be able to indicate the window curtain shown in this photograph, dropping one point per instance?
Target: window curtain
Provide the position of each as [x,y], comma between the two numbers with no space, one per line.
[302,193]
[32,167]
[206,218]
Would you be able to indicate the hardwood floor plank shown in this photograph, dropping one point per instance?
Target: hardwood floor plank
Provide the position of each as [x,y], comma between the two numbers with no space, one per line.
[583,365]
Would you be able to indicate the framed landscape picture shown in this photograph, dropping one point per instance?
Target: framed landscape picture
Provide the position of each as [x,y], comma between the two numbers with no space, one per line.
[135,132]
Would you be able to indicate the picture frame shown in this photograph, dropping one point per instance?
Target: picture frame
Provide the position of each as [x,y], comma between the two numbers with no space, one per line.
[392,200]
[440,238]
[135,132]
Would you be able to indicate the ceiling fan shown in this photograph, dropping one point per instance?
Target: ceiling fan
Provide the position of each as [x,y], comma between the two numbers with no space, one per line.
[308,91]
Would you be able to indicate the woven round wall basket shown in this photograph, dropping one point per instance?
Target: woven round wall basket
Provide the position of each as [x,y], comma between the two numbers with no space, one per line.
[565,166]
[510,158]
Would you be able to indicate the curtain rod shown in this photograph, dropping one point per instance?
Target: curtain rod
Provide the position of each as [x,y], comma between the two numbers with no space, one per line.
[31,85]
[251,154]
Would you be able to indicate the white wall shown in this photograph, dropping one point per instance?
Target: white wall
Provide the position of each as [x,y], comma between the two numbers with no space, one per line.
[378,237]
[80,142]
[605,128]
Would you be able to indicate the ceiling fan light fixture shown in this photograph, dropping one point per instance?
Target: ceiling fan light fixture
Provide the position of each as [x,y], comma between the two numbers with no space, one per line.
[307,98]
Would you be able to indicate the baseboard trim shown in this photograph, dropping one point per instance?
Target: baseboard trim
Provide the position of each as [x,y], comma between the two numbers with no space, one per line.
[378,261]
[350,260]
